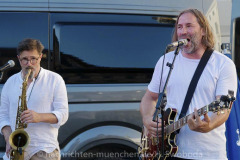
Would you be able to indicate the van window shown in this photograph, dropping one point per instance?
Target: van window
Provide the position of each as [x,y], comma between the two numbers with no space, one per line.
[110,52]
[16,26]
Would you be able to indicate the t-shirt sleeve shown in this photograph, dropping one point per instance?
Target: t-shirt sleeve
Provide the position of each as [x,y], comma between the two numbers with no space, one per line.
[227,79]
[156,78]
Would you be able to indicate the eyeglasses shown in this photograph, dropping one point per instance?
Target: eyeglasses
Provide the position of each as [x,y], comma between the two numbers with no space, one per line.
[32,60]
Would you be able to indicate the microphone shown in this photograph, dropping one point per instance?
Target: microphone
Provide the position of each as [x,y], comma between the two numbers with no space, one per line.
[9,64]
[181,42]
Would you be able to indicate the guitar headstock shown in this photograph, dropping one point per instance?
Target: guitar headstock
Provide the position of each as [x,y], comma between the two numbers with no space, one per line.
[225,102]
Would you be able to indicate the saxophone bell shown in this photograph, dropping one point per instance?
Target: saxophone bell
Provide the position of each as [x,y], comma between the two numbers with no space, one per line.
[18,140]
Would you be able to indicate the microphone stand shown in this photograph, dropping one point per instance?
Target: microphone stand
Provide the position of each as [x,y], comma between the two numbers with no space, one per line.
[161,103]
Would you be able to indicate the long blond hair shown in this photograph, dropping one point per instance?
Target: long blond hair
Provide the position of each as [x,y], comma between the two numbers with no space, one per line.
[208,38]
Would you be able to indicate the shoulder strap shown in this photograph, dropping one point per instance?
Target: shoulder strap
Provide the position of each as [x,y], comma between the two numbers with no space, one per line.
[207,54]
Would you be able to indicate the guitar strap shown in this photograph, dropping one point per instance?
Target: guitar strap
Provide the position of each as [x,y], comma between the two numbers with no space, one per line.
[207,54]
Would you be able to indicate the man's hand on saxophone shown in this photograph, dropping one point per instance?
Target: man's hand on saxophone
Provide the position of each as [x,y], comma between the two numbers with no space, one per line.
[30,116]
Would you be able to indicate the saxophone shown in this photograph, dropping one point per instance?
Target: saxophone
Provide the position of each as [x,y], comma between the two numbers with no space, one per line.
[19,139]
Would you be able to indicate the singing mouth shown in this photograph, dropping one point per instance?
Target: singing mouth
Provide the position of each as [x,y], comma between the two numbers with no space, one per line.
[188,39]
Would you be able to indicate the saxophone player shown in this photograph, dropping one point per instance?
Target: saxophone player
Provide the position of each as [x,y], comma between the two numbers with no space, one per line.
[46,100]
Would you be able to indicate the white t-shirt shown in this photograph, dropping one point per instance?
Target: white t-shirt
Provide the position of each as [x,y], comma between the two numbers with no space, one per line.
[218,77]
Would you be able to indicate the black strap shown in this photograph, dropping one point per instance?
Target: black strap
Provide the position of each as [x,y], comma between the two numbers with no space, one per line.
[207,54]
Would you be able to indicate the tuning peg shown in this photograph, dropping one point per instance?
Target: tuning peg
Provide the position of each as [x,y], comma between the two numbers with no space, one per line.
[233,99]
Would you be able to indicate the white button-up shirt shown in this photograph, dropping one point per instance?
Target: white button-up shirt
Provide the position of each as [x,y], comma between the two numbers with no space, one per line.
[46,94]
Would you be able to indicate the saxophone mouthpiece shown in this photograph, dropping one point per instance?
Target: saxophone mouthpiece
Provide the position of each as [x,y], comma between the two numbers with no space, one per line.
[28,73]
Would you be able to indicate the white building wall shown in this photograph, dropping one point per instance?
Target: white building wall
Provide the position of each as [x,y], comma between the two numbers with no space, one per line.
[213,16]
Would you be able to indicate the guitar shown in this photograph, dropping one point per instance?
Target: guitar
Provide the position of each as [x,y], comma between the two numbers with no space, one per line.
[151,146]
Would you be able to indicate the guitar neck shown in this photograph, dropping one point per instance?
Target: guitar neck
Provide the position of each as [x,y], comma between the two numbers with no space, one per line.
[225,102]
[183,121]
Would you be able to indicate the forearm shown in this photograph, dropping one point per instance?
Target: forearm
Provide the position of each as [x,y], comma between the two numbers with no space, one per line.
[147,106]
[217,119]
[147,109]
[48,118]
[6,131]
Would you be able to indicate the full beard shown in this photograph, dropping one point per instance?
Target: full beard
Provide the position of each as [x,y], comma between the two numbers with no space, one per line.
[193,47]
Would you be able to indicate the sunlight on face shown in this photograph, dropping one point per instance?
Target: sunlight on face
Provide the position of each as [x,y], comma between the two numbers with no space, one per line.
[189,28]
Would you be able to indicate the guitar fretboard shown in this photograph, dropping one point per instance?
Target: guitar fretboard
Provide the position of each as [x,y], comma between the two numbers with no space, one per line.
[181,122]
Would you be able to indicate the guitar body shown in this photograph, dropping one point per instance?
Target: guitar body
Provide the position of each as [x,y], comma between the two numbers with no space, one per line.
[150,145]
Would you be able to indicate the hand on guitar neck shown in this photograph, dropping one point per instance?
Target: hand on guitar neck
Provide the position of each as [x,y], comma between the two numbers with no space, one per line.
[207,124]
[195,123]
